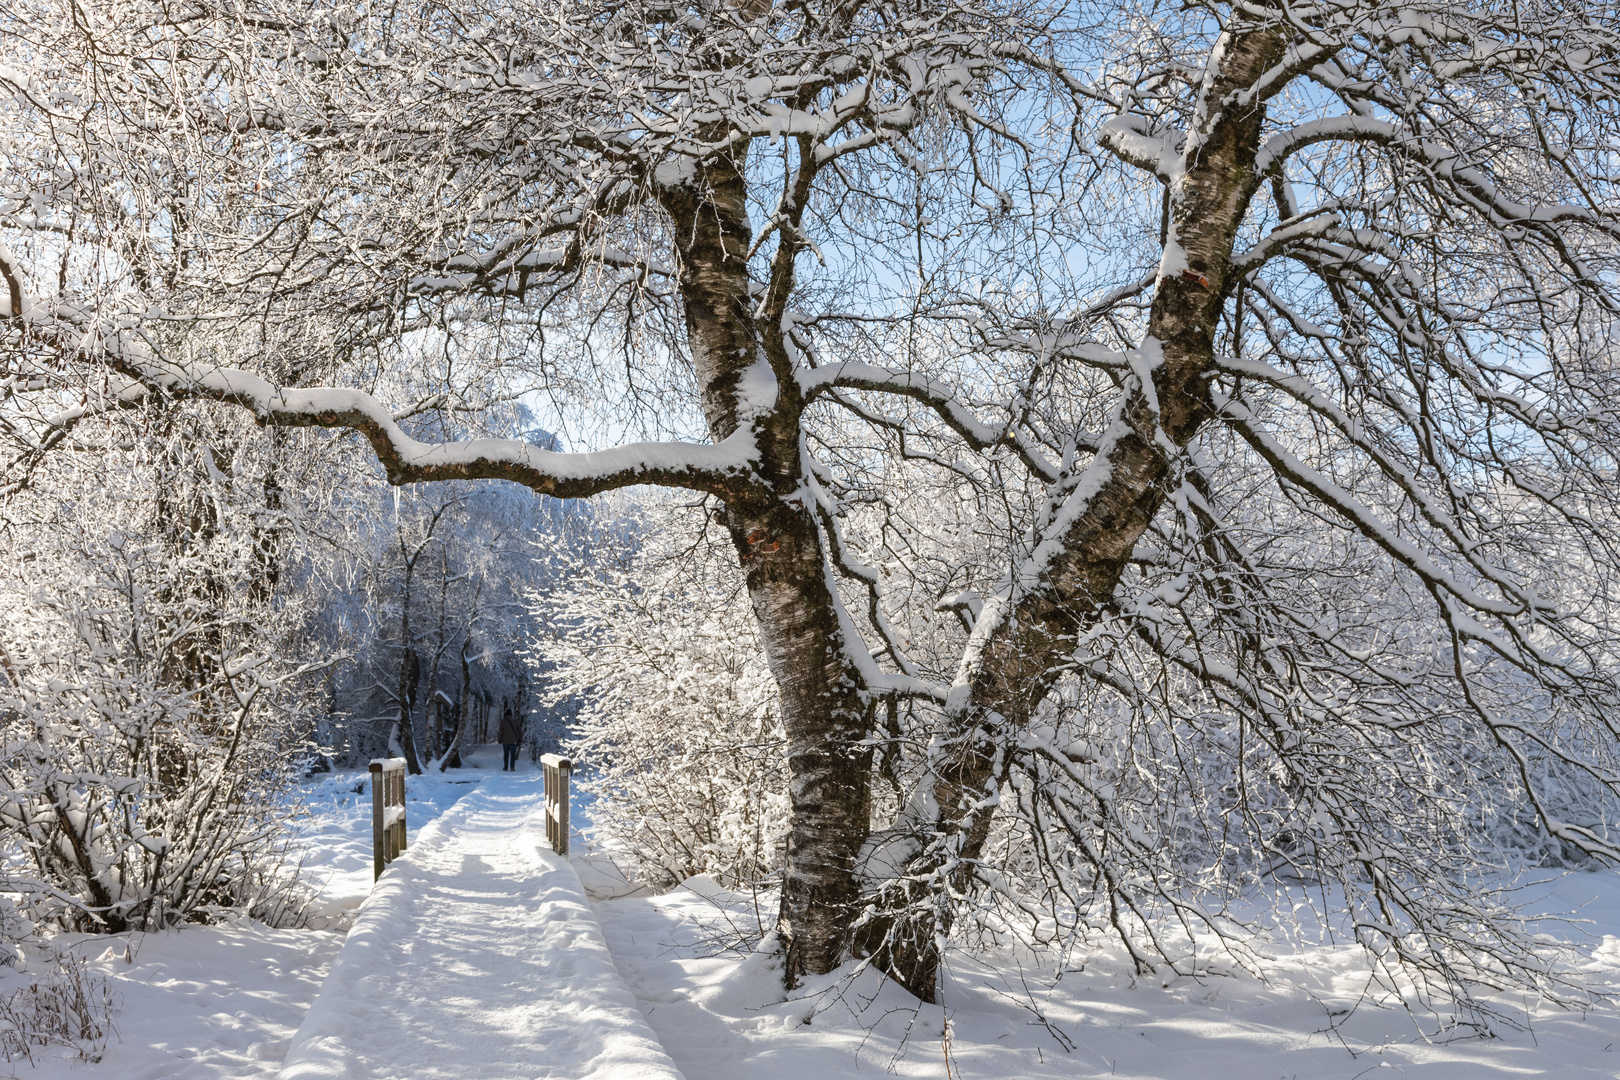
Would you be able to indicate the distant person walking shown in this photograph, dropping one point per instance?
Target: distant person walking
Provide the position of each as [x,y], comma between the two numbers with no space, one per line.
[511,736]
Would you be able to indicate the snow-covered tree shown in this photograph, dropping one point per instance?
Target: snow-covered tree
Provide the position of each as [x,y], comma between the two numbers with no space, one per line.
[1146,282]
[678,731]
[156,676]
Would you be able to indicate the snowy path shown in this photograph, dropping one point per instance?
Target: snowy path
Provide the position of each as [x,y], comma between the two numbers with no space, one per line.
[477,956]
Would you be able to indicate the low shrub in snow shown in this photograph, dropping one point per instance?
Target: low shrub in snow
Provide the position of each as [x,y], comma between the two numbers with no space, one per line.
[64,1006]
[151,694]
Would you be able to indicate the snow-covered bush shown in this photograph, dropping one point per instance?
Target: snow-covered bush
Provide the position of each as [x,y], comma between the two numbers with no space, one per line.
[64,1005]
[152,695]
[15,929]
[678,736]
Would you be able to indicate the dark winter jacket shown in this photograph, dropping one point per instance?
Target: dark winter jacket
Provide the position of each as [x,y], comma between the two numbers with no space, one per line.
[511,731]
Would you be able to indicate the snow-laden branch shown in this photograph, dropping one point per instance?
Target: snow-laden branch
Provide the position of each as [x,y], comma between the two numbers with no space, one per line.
[716,469]
[1277,149]
[1436,513]
[1130,138]
[1312,225]
[1445,163]
[713,468]
[1361,516]
[938,397]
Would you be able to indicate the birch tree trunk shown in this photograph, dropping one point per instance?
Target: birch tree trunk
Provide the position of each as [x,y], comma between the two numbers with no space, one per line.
[1024,651]
[746,382]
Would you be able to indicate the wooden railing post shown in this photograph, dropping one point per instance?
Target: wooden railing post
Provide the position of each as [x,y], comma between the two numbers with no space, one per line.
[558,771]
[399,801]
[378,799]
[387,812]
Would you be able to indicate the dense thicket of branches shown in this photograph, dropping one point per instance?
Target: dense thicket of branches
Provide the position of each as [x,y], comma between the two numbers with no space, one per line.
[1241,376]
[678,731]
[156,678]
[196,611]
[426,594]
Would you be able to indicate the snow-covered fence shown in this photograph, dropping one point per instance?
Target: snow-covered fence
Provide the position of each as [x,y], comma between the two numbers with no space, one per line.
[387,812]
[559,770]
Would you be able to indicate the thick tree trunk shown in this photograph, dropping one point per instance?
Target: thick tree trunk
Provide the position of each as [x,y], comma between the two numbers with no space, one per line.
[737,360]
[829,763]
[1023,658]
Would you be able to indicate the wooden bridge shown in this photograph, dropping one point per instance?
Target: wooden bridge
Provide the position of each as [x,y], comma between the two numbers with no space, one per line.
[477,955]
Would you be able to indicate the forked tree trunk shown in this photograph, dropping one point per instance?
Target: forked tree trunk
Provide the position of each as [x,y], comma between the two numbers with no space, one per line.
[1030,648]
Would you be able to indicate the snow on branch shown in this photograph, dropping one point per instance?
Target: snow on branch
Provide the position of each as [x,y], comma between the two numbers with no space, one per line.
[716,469]
[1129,138]
[940,398]
[1444,163]
[713,468]
[1307,394]
[1361,516]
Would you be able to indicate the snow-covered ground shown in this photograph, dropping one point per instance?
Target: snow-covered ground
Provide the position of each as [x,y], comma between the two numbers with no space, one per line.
[222,1002]
[225,1002]
[204,1003]
[721,1015]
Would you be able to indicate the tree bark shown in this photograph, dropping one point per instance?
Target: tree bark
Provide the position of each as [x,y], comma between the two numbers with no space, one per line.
[409,675]
[1025,655]
[736,357]
[452,756]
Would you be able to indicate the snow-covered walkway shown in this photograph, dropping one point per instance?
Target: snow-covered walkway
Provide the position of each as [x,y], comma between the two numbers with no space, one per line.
[477,956]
